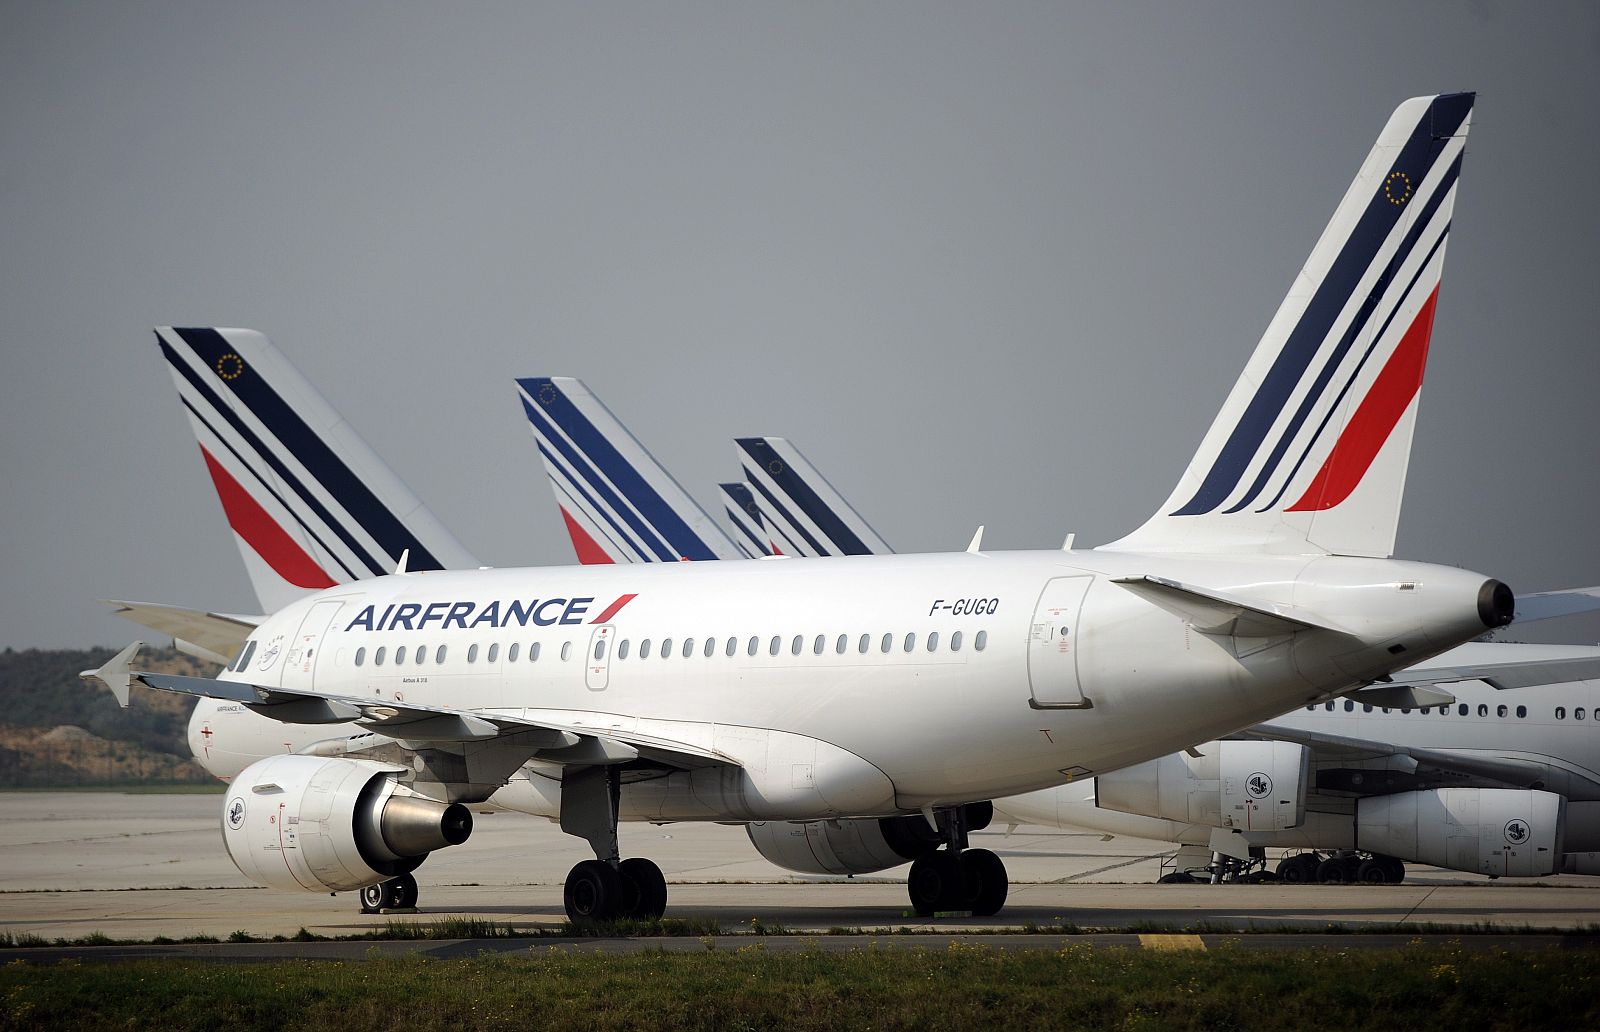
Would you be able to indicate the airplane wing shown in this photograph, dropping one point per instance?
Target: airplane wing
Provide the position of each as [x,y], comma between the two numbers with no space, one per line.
[213,636]
[1509,674]
[1547,605]
[566,741]
[1330,749]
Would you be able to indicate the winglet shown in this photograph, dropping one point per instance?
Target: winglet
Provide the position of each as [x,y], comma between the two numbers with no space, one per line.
[405,557]
[117,673]
[977,541]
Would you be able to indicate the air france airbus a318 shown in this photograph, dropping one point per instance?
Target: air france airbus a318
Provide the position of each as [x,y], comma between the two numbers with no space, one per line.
[897,689]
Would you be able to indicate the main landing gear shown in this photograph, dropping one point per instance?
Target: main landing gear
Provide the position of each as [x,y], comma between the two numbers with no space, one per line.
[954,877]
[395,894]
[606,887]
[1344,865]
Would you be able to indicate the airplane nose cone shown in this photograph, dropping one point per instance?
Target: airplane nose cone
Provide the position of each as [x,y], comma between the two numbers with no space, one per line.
[1496,604]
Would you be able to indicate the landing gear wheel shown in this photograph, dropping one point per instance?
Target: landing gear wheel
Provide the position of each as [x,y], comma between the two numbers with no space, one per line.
[593,892]
[374,897]
[644,889]
[403,892]
[1177,878]
[1299,869]
[935,883]
[986,884]
[1372,872]
[1395,867]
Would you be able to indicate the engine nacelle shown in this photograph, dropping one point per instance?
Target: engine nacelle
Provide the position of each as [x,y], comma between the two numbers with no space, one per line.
[1500,831]
[859,846]
[321,824]
[1252,786]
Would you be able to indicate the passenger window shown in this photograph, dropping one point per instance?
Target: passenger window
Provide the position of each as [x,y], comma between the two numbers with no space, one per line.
[887,643]
[711,647]
[622,649]
[796,645]
[753,647]
[377,657]
[1561,713]
[1328,706]
[533,652]
[865,644]
[494,652]
[1577,714]
[732,647]
[842,644]
[955,641]
[1349,707]
[933,641]
[1501,711]
[775,645]
[1522,712]
[600,649]
[399,655]
[666,648]
[511,653]
[1366,707]
[422,654]
[1483,711]
[688,647]
[438,656]
[818,645]
[472,653]
[1463,709]
[981,641]
[644,649]
[566,651]
[911,641]
[361,656]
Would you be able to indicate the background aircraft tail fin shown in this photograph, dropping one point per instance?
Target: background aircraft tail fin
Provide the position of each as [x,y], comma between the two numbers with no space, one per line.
[750,534]
[310,504]
[619,504]
[1309,453]
[803,513]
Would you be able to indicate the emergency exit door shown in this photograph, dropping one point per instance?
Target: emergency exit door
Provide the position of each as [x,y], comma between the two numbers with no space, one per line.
[1053,645]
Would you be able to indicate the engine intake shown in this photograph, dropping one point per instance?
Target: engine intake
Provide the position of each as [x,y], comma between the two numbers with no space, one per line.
[325,824]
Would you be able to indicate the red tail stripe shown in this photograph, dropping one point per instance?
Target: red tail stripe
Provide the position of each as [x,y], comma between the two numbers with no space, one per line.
[262,533]
[1375,419]
[589,553]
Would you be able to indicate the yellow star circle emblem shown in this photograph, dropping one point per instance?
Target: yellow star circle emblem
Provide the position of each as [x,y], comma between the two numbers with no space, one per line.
[1397,188]
[230,366]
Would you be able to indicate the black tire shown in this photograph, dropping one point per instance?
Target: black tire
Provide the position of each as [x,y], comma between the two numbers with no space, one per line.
[644,889]
[1331,871]
[593,892]
[1300,869]
[1372,872]
[936,884]
[1177,878]
[374,897]
[986,882]
[1395,868]
[403,892]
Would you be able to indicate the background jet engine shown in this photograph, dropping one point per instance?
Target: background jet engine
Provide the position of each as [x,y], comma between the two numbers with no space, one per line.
[854,846]
[1494,831]
[321,824]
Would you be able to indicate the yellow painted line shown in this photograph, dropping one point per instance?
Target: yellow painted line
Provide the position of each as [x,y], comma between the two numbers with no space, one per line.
[1171,942]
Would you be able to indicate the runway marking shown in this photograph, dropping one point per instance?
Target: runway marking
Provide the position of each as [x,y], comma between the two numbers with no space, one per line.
[1171,942]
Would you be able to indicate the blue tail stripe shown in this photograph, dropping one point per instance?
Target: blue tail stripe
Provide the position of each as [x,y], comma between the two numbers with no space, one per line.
[311,452]
[1368,308]
[599,496]
[787,520]
[843,538]
[278,466]
[1421,151]
[622,543]
[684,542]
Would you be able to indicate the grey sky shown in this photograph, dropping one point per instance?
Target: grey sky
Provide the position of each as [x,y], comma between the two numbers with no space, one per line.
[985,263]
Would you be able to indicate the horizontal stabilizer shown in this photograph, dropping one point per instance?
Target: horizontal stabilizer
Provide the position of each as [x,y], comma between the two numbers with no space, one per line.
[117,673]
[1217,612]
[1401,696]
[1523,674]
[1547,605]
[221,634]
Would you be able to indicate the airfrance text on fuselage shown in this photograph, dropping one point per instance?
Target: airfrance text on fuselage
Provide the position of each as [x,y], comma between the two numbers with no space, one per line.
[414,616]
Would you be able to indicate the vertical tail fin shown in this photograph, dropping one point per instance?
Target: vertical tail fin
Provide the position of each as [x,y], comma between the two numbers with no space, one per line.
[619,505]
[803,513]
[1309,453]
[310,504]
[750,534]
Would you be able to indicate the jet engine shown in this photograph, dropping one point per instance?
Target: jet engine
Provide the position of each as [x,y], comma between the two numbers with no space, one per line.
[1515,832]
[321,824]
[859,846]
[1250,786]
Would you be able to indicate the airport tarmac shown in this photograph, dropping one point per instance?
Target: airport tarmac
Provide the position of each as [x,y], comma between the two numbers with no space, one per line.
[140,866]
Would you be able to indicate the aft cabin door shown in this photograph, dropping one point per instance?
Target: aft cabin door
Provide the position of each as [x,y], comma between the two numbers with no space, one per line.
[1053,645]
[301,662]
[598,673]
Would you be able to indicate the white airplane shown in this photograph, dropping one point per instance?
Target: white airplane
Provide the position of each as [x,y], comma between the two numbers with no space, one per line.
[890,686]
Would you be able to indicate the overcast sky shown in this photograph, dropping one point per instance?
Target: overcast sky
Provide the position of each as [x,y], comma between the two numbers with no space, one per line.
[984,263]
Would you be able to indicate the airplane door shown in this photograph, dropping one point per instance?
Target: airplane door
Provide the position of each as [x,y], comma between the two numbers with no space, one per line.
[598,672]
[301,661]
[1053,645]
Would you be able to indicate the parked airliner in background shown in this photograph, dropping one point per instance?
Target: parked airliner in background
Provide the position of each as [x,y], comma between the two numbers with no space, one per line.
[898,688]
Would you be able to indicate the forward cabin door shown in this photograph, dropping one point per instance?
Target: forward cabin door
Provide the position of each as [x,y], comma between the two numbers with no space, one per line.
[301,662]
[597,673]
[1053,645]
